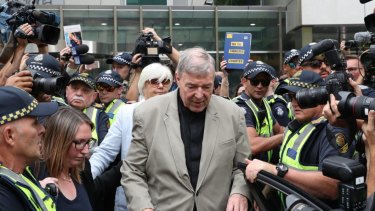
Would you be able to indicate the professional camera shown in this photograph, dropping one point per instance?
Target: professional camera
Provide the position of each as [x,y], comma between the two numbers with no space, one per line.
[150,48]
[334,83]
[352,188]
[45,24]
[52,86]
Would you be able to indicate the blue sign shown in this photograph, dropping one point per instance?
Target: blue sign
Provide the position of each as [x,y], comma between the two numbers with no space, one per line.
[237,49]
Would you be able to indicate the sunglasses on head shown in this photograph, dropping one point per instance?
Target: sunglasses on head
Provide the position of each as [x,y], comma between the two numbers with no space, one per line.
[101,88]
[155,82]
[255,82]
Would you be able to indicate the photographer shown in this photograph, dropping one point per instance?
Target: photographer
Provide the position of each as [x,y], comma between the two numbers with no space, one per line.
[14,61]
[174,56]
[306,144]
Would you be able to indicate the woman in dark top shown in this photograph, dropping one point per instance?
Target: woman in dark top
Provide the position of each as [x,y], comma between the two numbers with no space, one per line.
[66,144]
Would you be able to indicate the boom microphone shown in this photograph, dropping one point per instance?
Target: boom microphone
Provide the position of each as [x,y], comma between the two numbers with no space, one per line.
[363,37]
[324,46]
[364,1]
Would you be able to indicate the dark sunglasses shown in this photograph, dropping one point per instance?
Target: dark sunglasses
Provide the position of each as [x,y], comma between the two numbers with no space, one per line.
[292,65]
[101,88]
[255,82]
[314,63]
[155,82]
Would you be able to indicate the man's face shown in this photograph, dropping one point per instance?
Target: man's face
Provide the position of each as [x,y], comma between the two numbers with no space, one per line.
[153,87]
[28,135]
[108,93]
[195,90]
[355,68]
[304,115]
[121,69]
[317,66]
[79,95]
[257,87]
[289,70]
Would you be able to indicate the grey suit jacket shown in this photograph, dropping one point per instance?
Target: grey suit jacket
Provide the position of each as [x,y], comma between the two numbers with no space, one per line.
[154,173]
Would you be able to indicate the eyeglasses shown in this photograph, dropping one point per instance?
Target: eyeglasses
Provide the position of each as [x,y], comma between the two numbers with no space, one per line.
[101,88]
[255,82]
[351,69]
[155,82]
[79,145]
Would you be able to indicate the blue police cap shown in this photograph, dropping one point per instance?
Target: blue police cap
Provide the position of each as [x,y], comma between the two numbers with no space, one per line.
[306,53]
[252,69]
[16,103]
[290,55]
[123,58]
[304,79]
[110,77]
[85,78]
[45,64]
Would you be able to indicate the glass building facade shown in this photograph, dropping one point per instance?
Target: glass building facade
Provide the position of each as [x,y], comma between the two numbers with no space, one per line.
[112,29]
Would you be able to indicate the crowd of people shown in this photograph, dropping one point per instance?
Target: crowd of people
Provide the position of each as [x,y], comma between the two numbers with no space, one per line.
[170,137]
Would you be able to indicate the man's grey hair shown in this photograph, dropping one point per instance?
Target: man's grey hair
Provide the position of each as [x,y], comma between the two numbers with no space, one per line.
[196,61]
[152,71]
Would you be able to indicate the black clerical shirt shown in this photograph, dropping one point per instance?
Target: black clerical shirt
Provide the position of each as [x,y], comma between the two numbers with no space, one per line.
[192,131]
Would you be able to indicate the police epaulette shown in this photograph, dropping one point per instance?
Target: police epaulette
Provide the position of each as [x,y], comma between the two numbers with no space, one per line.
[319,120]
[98,106]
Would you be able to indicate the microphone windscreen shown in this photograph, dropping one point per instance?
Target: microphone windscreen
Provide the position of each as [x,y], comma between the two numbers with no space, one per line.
[86,59]
[362,37]
[80,49]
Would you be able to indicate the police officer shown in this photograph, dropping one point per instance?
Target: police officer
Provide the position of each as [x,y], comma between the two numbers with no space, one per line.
[308,140]
[307,60]
[109,87]
[263,131]
[81,94]
[20,140]
[281,108]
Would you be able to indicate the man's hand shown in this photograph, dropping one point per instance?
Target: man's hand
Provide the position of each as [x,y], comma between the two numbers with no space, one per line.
[148,209]
[237,202]
[368,129]
[154,35]
[255,166]
[21,80]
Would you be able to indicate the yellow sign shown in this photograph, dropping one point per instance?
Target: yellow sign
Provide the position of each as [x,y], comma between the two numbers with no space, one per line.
[239,44]
[236,51]
[235,61]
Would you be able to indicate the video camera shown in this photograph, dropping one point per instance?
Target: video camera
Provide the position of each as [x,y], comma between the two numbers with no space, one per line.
[52,86]
[79,55]
[334,83]
[45,24]
[150,48]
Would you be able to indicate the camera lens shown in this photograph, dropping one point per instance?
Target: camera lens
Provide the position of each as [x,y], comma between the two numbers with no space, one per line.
[52,86]
[310,98]
[355,107]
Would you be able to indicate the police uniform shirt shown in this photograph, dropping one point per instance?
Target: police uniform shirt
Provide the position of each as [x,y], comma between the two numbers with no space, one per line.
[280,112]
[102,126]
[9,200]
[318,147]
[249,116]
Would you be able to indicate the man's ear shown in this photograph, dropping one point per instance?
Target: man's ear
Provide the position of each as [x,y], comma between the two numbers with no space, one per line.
[9,135]
[243,81]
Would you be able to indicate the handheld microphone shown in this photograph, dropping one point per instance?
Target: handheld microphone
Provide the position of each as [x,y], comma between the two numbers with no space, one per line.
[363,37]
[83,59]
[80,49]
